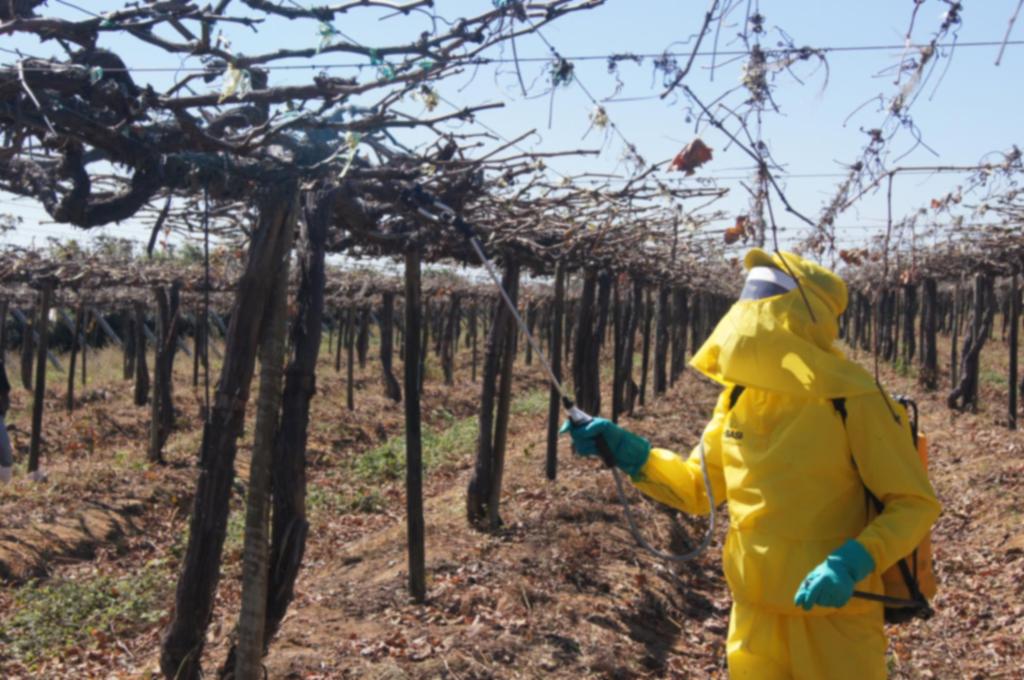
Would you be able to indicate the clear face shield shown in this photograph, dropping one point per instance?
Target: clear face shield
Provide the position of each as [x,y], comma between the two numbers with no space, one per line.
[765,282]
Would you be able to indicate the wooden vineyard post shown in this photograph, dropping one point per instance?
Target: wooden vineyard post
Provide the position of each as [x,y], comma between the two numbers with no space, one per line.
[867,339]
[436,326]
[413,438]
[252,618]
[587,342]
[618,336]
[141,370]
[646,346]
[965,393]
[481,492]
[570,324]
[4,305]
[425,341]
[929,374]
[504,406]
[128,365]
[661,342]
[76,333]
[3,328]
[289,528]
[954,326]
[197,583]
[197,351]
[162,406]
[344,322]
[698,318]
[400,334]
[473,333]
[392,389]
[894,319]
[27,358]
[554,398]
[85,361]
[363,344]
[450,340]
[627,388]
[593,342]
[1014,325]
[288,465]
[680,316]
[350,362]
[909,314]
[39,395]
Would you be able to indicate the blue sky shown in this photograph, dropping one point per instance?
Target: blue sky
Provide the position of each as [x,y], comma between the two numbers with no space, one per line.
[974,111]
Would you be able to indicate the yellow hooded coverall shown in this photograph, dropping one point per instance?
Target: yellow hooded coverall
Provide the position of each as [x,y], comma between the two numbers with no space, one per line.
[794,478]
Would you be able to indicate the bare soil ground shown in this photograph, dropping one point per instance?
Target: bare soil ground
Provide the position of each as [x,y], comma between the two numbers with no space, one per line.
[561,591]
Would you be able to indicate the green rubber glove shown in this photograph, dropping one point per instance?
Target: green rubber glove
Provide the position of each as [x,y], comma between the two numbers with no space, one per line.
[629,450]
[830,584]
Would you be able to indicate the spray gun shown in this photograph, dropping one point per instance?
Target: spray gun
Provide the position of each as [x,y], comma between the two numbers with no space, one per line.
[429,207]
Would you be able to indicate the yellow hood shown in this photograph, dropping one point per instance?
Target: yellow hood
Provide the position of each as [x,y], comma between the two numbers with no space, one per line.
[774,344]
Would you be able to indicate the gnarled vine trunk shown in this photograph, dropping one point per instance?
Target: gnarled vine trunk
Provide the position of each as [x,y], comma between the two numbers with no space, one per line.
[197,582]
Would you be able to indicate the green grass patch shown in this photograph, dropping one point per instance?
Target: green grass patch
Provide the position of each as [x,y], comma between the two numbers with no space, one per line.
[905,368]
[49,619]
[994,378]
[387,461]
[323,499]
[440,446]
[531,403]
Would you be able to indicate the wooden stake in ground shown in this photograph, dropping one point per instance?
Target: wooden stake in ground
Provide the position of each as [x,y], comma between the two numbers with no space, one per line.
[343,320]
[392,389]
[482,491]
[252,619]
[680,317]
[350,343]
[554,400]
[473,334]
[449,340]
[26,354]
[929,372]
[629,387]
[645,361]
[588,336]
[162,404]
[363,343]
[43,329]
[964,395]
[141,370]
[504,406]
[289,527]
[85,359]
[193,606]
[128,363]
[76,333]
[413,442]
[1014,324]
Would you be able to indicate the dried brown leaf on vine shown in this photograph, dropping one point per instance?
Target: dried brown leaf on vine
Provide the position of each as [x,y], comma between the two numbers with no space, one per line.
[854,257]
[737,230]
[693,155]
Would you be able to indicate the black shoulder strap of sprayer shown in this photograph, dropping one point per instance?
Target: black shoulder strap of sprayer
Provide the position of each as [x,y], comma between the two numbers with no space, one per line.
[734,395]
[909,578]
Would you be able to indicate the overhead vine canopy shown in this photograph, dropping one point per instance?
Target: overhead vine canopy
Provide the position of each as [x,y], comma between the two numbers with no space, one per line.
[94,145]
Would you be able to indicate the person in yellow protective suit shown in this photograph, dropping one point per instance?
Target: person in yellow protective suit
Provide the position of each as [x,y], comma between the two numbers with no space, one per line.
[794,476]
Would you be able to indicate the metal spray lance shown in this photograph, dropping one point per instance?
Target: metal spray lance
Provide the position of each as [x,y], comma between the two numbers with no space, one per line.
[429,207]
